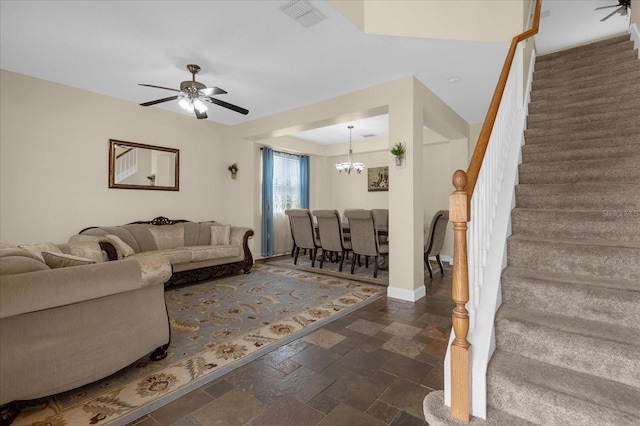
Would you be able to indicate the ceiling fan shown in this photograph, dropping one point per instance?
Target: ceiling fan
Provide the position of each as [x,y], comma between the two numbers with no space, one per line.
[623,7]
[192,93]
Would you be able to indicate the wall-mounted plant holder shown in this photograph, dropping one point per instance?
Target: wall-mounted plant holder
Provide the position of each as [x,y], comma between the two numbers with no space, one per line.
[234,170]
[398,151]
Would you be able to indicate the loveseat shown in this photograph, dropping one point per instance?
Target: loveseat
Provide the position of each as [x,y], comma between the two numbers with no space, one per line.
[66,321]
[196,250]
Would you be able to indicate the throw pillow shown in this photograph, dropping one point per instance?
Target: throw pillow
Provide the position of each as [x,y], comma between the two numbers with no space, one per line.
[88,250]
[61,260]
[220,235]
[37,249]
[122,248]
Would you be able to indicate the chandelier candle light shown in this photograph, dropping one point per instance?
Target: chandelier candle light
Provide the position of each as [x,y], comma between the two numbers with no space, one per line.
[349,164]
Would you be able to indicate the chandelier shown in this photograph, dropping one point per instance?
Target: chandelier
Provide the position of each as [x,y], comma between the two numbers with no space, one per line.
[349,164]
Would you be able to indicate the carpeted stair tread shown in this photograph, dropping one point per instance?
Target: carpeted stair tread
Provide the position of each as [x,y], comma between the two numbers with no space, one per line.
[602,299]
[554,121]
[586,346]
[586,105]
[623,72]
[579,196]
[592,69]
[586,51]
[618,260]
[618,52]
[563,97]
[580,144]
[626,122]
[589,151]
[549,395]
[547,114]
[576,224]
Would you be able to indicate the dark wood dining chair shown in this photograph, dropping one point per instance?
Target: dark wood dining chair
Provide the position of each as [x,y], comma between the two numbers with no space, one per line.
[331,237]
[303,233]
[364,238]
[435,239]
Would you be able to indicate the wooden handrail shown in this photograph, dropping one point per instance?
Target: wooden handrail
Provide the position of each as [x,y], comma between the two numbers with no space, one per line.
[460,215]
[127,151]
[483,138]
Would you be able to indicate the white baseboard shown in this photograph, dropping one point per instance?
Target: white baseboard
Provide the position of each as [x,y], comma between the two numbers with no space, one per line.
[408,295]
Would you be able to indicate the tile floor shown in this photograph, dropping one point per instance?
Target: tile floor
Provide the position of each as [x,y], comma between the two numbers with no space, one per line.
[371,367]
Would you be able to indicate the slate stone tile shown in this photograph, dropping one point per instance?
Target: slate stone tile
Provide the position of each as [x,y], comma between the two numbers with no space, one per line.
[188,421]
[407,368]
[355,390]
[288,411]
[143,421]
[257,380]
[406,396]
[217,389]
[366,327]
[323,403]
[406,419]
[303,384]
[435,378]
[324,338]
[343,415]
[181,407]
[435,320]
[233,408]
[402,330]
[383,411]
[341,348]
[315,358]
[437,348]
[360,362]
[404,346]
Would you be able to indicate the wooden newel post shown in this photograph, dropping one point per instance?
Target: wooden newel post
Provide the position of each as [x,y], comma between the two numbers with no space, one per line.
[460,378]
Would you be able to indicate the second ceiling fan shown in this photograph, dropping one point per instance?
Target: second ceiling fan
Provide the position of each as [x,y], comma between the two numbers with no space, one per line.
[622,8]
[192,93]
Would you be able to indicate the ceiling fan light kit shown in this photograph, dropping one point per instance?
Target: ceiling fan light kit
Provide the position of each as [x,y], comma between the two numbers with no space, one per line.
[191,95]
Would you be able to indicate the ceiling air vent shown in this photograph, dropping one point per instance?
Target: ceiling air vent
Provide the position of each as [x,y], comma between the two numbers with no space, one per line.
[303,12]
[368,135]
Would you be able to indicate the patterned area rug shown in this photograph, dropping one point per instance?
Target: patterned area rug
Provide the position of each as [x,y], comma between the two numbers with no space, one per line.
[216,326]
[360,273]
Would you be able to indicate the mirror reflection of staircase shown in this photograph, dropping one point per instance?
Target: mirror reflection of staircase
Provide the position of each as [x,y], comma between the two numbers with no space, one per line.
[568,331]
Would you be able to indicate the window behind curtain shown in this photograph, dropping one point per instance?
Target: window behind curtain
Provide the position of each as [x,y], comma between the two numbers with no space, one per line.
[289,190]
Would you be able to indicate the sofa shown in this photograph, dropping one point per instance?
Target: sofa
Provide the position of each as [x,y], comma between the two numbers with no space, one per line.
[196,250]
[66,321]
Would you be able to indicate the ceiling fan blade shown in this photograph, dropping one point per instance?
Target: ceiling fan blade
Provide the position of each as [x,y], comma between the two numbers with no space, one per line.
[170,98]
[606,7]
[226,105]
[212,91]
[158,87]
[611,14]
[199,114]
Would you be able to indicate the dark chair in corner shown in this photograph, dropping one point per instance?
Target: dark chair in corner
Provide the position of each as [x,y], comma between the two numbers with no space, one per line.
[435,239]
[304,236]
[364,238]
[331,238]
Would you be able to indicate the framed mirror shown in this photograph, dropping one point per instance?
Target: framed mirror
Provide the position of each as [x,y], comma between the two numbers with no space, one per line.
[138,166]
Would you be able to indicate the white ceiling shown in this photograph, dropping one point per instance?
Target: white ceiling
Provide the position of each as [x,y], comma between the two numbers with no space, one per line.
[266,61]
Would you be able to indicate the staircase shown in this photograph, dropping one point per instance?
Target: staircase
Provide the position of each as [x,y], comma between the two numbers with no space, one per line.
[568,331]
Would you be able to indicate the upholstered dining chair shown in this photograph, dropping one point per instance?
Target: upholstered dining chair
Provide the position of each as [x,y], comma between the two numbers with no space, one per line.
[381,217]
[435,239]
[304,236]
[364,238]
[331,238]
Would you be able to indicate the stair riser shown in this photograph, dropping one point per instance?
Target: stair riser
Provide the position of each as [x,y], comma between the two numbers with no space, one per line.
[618,124]
[625,163]
[577,70]
[608,305]
[601,47]
[549,120]
[607,359]
[616,133]
[582,176]
[624,72]
[592,153]
[562,97]
[614,262]
[608,227]
[546,117]
[614,54]
[588,105]
[545,407]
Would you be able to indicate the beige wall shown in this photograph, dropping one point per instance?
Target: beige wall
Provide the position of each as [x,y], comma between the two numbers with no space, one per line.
[54,144]
[477,20]
[635,13]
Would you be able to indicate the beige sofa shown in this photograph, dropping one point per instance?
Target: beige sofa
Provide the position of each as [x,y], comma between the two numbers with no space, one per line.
[196,250]
[75,323]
